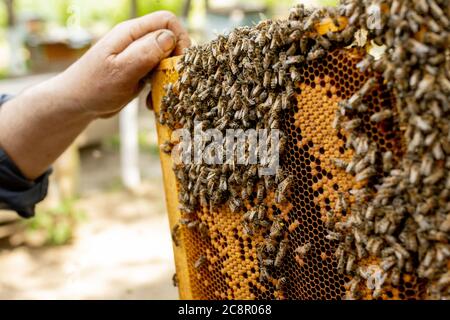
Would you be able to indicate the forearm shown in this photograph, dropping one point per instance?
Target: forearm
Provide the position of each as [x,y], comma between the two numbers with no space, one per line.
[38,125]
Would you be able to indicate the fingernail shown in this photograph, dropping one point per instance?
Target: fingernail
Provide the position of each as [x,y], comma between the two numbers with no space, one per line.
[166,41]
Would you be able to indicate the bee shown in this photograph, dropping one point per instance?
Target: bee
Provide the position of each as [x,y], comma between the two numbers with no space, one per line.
[192,225]
[256,91]
[293,226]
[263,274]
[395,276]
[203,229]
[251,215]
[289,93]
[424,85]
[267,61]
[281,77]
[339,163]
[300,261]
[175,281]
[304,44]
[438,13]
[377,292]
[261,39]
[353,286]
[234,204]
[387,263]
[437,175]
[203,197]
[260,193]
[445,225]
[267,79]
[274,81]
[341,203]
[262,209]
[362,145]
[267,262]
[337,120]
[166,147]
[282,250]
[335,36]
[315,54]
[333,236]
[444,83]
[299,59]
[176,234]
[281,283]
[323,42]
[368,85]
[270,244]
[387,161]
[365,63]
[234,68]
[301,251]
[247,229]
[352,124]
[341,262]
[443,282]
[292,49]
[295,75]
[309,22]
[348,33]
[200,262]
[350,263]
[276,228]
[223,183]
[439,236]
[360,165]
[283,187]
[381,116]
[365,174]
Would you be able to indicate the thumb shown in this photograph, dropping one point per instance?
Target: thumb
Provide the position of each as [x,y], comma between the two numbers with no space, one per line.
[140,57]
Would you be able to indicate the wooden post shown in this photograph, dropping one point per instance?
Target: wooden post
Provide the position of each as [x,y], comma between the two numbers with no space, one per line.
[129,142]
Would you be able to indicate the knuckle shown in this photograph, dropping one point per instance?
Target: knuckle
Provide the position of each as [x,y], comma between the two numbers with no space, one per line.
[134,30]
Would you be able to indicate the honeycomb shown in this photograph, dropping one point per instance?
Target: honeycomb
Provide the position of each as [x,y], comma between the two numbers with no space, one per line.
[230,269]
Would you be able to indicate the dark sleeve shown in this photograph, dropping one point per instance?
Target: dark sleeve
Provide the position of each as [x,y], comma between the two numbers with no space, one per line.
[16,192]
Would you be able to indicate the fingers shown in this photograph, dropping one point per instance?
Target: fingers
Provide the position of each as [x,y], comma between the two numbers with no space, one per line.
[144,54]
[128,32]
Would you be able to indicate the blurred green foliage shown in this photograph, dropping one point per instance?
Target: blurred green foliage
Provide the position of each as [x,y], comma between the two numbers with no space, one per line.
[56,225]
[107,11]
[88,11]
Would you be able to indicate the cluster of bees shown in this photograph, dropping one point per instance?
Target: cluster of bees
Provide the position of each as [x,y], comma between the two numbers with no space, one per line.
[402,214]
[245,80]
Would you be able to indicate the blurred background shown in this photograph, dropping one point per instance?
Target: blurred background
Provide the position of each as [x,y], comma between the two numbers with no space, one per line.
[102,233]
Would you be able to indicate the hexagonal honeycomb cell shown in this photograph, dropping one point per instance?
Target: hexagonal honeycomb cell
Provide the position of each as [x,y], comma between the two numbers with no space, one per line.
[230,269]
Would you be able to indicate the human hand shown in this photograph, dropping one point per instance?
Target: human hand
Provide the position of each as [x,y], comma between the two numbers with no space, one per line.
[109,75]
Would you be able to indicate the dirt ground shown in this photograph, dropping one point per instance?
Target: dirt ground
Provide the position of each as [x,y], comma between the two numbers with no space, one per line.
[122,250]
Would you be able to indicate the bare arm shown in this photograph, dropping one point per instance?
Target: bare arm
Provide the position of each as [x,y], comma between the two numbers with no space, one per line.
[38,125]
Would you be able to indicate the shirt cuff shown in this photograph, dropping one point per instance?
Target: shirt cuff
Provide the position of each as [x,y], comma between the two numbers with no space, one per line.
[4,98]
[17,192]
